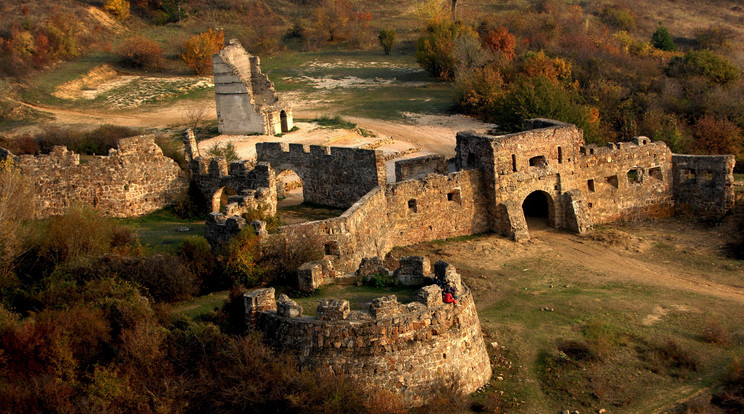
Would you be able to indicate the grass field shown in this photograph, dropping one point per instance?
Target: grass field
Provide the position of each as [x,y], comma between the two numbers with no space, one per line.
[163,231]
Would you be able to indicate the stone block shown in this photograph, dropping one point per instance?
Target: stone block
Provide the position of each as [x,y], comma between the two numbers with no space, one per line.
[384,307]
[372,266]
[260,227]
[333,309]
[287,307]
[447,274]
[257,301]
[430,295]
[309,276]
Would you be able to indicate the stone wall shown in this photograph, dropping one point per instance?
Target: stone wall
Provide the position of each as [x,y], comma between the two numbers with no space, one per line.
[332,176]
[246,100]
[251,186]
[400,214]
[419,167]
[134,179]
[409,349]
[704,184]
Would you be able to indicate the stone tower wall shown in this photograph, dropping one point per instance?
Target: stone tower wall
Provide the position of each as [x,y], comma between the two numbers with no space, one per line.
[704,184]
[407,349]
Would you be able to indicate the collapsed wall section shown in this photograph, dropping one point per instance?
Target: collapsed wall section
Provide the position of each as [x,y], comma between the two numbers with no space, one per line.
[704,184]
[134,179]
[331,176]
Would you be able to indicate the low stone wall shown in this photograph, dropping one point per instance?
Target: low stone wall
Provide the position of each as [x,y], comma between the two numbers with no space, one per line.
[134,179]
[419,167]
[704,185]
[408,349]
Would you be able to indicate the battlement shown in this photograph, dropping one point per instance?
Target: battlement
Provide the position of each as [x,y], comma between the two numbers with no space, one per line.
[404,348]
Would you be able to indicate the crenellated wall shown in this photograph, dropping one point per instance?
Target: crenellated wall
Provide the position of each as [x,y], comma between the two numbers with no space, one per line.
[409,349]
[332,176]
[134,179]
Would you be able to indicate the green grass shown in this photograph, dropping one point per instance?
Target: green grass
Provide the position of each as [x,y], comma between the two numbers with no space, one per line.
[200,306]
[159,231]
[359,297]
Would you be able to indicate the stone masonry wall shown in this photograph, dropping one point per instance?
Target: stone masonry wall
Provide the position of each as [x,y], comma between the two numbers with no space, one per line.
[419,167]
[133,180]
[704,184]
[407,349]
[332,176]
[445,206]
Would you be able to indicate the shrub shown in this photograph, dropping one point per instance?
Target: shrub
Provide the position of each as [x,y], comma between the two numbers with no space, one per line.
[535,64]
[618,17]
[238,259]
[662,39]
[715,333]
[435,49]
[140,52]
[478,90]
[387,39]
[731,397]
[668,356]
[165,277]
[95,142]
[119,8]
[282,257]
[500,41]
[198,50]
[173,11]
[196,255]
[227,152]
[711,65]
[714,37]
[15,201]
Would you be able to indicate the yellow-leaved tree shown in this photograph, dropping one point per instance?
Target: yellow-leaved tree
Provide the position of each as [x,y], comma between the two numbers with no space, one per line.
[198,50]
[119,8]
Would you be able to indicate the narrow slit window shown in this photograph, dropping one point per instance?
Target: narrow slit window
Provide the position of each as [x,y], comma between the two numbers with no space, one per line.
[560,155]
[590,185]
[514,163]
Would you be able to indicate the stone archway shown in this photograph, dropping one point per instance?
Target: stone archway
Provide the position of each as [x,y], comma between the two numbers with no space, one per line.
[220,198]
[539,211]
[289,188]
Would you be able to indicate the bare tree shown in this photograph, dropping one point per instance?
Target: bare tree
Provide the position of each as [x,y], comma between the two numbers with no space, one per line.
[195,118]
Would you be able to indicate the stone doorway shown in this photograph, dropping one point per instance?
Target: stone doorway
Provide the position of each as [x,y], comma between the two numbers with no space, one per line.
[289,189]
[538,210]
[221,197]
[285,123]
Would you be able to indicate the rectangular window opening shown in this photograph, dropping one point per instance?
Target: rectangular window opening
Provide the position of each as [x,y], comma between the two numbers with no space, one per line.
[412,206]
[514,163]
[634,176]
[590,185]
[540,161]
[612,180]
[656,173]
[560,155]
[454,196]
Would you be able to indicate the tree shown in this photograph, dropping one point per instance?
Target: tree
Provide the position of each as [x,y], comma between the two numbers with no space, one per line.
[435,50]
[500,41]
[200,48]
[662,39]
[716,136]
[387,39]
[140,52]
[119,8]
[332,17]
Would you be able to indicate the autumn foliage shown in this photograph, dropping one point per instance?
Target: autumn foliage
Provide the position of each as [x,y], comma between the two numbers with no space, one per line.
[198,50]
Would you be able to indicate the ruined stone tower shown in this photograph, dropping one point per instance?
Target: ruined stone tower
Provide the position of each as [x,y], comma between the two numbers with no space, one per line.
[246,100]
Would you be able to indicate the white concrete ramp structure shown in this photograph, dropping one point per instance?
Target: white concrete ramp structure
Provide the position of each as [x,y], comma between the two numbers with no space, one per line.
[246,100]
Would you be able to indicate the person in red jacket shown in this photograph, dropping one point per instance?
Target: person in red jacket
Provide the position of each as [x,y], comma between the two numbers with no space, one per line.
[449,298]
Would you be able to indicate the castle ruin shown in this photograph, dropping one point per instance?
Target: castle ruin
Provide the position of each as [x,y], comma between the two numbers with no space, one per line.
[246,100]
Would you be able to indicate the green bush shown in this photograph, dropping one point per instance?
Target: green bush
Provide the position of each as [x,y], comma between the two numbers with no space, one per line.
[539,97]
[711,65]
[387,39]
[662,39]
[618,17]
[227,152]
[435,49]
[196,254]
[238,259]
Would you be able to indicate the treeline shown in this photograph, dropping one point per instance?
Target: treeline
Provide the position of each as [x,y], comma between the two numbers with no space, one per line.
[591,68]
